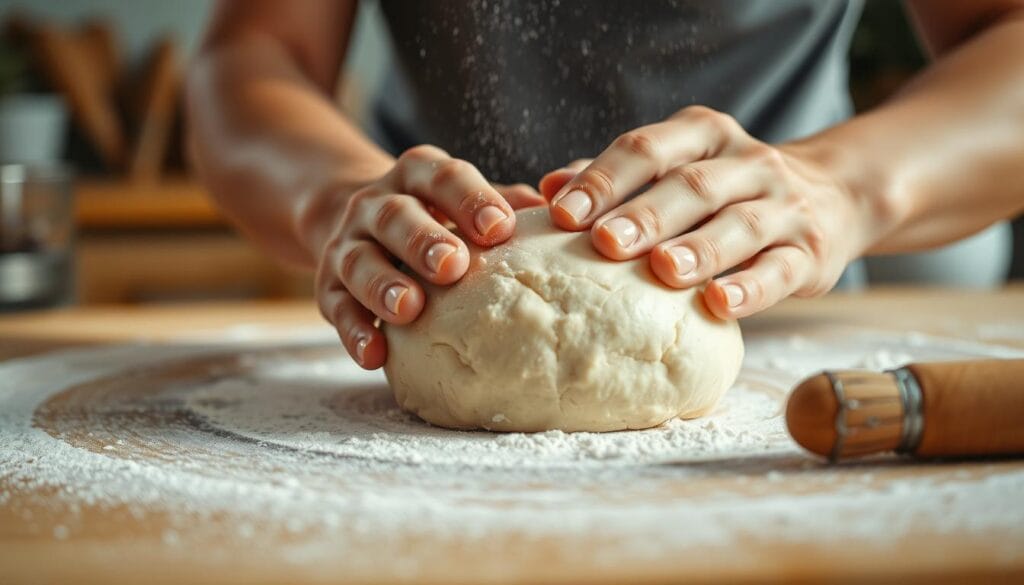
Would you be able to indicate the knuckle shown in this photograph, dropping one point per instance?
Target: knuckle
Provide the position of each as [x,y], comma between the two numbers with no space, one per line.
[755,291]
[375,287]
[751,221]
[787,273]
[349,264]
[639,143]
[800,203]
[421,153]
[803,211]
[697,181]
[811,234]
[816,242]
[342,314]
[419,240]
[723,123]
[470,202]
[389,210]
[355,203]
[359,197]
[710,116]
[694,112]
[817,288]
[649,221]
[448,171]
[599,182]
[709,255]
[768,156]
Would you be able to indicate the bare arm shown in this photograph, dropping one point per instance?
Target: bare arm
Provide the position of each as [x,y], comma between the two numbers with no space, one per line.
[268,141]
[296,174]
[943,158]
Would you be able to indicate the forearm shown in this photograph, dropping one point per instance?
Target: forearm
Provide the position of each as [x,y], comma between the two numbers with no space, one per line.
[945,157]
[276,153]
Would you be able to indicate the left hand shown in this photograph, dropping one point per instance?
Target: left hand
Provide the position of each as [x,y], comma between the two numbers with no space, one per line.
[716,199]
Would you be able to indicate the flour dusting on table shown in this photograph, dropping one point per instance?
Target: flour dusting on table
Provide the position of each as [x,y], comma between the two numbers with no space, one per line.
[293,438]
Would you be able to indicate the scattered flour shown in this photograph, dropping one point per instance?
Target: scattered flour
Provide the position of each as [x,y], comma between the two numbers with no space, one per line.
[294,439]
[1006,330]
[314,406]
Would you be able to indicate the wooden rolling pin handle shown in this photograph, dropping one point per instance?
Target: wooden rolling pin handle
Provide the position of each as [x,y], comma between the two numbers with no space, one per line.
[971,408]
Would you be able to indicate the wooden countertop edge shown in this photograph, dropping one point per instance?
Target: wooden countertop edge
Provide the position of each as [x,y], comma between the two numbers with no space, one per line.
[885,308]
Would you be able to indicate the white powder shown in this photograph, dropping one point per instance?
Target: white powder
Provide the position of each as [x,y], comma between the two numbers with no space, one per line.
[328,406]
[293,439]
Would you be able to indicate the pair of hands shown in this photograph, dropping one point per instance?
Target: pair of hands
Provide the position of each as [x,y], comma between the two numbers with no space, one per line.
[711,199]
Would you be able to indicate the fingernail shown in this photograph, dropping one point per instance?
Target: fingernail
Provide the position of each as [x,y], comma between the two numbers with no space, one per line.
[361,348]
[437,254]
[488,217]
[576,203]
[623,230]
[733,294]
[684,259]
[393,297]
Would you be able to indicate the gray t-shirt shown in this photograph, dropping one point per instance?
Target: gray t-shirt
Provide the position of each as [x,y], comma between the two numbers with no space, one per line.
[519,87]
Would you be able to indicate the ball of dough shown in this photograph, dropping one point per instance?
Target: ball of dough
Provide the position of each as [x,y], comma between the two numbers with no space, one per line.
[544,333]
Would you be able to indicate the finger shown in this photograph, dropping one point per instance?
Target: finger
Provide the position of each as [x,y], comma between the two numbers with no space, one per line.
[364,270]
[772,276]
[551,183]
[520,195]
[354,324]
[458,190]
[403,226]
[684,197]
[439,215]
[736,234]
[639,157]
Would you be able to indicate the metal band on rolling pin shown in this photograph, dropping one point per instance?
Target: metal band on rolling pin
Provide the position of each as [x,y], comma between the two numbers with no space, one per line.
[913,411]
[911,403]
[840,424]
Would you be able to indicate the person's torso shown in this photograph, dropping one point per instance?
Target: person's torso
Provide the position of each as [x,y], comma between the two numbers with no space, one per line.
[519,87]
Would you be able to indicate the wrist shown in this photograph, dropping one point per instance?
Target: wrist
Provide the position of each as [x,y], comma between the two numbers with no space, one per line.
[878,202]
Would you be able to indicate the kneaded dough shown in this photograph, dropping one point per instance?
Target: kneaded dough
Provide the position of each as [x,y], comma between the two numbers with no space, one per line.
[544,333]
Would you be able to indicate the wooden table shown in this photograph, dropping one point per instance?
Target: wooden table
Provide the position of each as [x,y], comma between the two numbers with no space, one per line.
[992,317]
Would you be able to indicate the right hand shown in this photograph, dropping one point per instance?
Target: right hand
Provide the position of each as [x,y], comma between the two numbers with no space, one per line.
[399,216]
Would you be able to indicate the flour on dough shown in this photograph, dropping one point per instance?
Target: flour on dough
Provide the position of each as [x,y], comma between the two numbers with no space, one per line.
[543,333]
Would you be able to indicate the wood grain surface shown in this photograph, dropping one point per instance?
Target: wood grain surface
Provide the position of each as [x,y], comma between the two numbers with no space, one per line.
[109,556]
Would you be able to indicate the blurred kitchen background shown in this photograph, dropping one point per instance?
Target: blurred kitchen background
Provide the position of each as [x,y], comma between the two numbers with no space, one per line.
[104,210]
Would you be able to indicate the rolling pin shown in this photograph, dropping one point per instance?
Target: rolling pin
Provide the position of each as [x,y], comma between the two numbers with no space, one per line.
[948,409]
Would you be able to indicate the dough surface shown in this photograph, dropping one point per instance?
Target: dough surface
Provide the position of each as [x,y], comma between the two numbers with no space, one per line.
[544,333]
